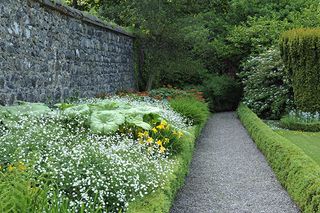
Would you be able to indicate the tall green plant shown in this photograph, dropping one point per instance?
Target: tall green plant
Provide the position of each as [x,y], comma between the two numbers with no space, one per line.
[301,54]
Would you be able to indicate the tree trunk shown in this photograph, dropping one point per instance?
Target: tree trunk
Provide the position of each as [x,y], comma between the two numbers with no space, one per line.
[150,81]
[140,65]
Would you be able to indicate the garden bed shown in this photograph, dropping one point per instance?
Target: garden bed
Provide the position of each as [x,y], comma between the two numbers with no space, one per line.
[94,155]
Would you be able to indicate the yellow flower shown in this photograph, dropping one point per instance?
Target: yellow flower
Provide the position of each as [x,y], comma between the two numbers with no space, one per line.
[162,149]
[10,168]
[154,130]
[180,134]
[159,142]
[21,166]
[160,126]
[146,133]
[164,123]
[140,135]
[166,140]
[149,140]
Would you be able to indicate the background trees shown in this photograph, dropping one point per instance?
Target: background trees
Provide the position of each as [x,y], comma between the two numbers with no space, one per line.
[183,42]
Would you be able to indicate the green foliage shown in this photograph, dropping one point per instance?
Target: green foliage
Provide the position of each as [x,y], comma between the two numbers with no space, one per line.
[292,124]
[182,40]
[28,108]
[186,71]
[296,171]
[301,56]
[169,92]
[18,194]
[9,115]
[190,107]
[266,86]
[222,92]
[88,5]
[107,117]
[257,25]
[301,121]
[105,122]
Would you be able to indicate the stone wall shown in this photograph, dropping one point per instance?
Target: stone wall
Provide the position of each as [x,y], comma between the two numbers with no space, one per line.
[49,52]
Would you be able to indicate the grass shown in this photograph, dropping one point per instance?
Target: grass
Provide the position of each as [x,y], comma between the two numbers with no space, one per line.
[309,142]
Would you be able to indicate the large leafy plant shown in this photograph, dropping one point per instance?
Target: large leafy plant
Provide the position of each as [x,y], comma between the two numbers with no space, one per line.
[9,115]
[107,117]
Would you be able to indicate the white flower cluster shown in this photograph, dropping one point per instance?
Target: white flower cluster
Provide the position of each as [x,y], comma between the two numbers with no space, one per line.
[103,172]
[266,84]
[305,116]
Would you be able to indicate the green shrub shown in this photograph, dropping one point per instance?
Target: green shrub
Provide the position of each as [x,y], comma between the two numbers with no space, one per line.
[301,54]
[266,87]
[288,123]
[296,171]
[17,192]
[222,92]
[163,67]
[180,72]
[303,121]
[191,108]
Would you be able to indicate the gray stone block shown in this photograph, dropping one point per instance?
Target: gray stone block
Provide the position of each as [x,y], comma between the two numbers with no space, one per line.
[49,52]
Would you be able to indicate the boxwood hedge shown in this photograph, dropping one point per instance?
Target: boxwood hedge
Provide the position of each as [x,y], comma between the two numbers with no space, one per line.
[297,172]
[288,123]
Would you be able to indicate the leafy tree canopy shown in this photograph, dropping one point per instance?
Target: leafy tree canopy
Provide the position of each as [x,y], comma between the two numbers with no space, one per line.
[207,36]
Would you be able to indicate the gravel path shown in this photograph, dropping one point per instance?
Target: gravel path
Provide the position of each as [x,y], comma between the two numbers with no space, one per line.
[229,174]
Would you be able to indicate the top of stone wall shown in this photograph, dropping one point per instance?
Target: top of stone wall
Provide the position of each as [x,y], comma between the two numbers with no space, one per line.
[85,17]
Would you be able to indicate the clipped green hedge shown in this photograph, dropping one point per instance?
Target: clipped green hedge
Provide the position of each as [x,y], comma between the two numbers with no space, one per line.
[300,49]
[291,124]
[191,108]
[161,200]
[297,172]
